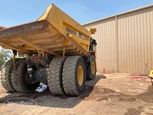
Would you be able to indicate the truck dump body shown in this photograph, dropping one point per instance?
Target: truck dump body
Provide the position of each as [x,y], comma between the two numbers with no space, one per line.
[54,32]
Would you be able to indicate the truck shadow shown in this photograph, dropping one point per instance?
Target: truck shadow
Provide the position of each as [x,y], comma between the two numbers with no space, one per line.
[48,100]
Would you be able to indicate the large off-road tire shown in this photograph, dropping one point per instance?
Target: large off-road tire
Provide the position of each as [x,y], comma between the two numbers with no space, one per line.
[6,76]
[74,75]
[55,76]
[19,78]
[92,68]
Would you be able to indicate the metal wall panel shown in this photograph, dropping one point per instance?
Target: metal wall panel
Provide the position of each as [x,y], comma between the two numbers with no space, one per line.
[125,42]
[134,41]
[105,37]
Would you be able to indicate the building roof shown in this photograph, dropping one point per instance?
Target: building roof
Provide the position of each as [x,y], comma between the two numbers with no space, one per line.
[137,9]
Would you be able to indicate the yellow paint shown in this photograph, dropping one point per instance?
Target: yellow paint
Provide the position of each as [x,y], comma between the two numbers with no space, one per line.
[83,43]
[59,20]
[151,74]
[93,67]
[80,75]
[66,43]
[93,30]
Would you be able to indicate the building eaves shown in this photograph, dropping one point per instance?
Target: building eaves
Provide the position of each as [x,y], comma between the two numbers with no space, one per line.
[130,11]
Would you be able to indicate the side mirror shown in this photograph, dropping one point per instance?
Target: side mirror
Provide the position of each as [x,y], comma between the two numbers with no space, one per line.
[93,30]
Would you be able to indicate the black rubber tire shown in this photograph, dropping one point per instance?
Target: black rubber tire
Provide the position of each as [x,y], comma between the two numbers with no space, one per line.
[92,75]
[55,76]
[6,76]
[70,81]
[19,78]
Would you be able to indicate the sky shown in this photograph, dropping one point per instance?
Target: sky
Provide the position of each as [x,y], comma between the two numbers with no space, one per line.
[15,12]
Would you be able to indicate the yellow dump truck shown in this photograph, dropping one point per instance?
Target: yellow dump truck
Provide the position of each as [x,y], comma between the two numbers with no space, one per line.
[58,52]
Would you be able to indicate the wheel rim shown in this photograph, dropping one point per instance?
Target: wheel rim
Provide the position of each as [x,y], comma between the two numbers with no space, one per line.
[93,67]
[80,75]
[27,78]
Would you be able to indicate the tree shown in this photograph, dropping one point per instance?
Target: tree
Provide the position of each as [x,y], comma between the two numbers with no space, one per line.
[4,56]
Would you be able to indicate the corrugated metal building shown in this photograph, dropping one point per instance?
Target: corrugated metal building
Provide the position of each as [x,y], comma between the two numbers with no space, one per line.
[125,41]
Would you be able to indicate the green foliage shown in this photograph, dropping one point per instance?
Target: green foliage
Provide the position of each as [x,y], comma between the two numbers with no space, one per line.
[4,56]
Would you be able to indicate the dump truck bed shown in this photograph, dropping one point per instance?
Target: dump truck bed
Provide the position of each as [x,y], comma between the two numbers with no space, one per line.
[54,32]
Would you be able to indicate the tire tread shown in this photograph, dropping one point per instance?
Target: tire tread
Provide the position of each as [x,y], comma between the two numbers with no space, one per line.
[6,76]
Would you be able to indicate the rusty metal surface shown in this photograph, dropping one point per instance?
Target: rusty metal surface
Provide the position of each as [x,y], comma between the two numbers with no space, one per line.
[39,35]
[1,27]
[23,30]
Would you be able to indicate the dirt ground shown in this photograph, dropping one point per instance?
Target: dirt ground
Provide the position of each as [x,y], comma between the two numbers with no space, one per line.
[111,94]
